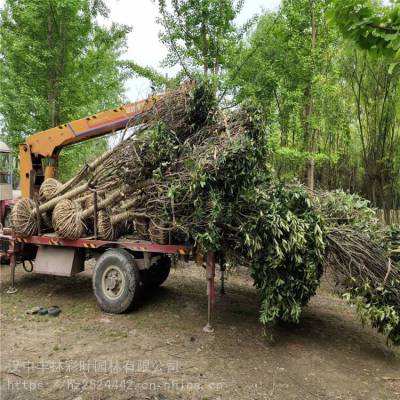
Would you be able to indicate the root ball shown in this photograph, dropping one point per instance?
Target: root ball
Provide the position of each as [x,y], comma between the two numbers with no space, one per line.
[23,217]
[67,220]
[105,228]
[48,189]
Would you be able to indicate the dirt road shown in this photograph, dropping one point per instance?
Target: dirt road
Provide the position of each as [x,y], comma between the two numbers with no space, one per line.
[159,351]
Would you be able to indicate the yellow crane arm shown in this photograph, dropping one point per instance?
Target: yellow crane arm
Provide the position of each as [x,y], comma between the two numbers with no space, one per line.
[46,145]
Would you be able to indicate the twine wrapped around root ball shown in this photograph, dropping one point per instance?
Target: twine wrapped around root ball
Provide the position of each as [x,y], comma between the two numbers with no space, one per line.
[106,230]
[49,188]
[159,233]
[110,225]
[69,218]
[23,217]
[142,227]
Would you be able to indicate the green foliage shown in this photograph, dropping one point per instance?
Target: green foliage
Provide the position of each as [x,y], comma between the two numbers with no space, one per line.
[370,25]
[290,66]
[236,207]
[394,243]
[288,161]
[366,282]
[285,243]
[274,231]
[277,234]
[323,100]
[56,64]
[151,74]
[376,99]
[378,305]
[198,33]
[341,208]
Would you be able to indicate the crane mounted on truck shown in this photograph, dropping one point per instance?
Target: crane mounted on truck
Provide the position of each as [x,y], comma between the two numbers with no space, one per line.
[124,266]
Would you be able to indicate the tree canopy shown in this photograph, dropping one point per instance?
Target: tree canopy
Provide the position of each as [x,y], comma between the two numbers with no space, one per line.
[199,33]
[56,63]
[369,24]
[328,102]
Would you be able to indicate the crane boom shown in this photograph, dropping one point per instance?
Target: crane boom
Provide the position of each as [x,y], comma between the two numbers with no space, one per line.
[46,145]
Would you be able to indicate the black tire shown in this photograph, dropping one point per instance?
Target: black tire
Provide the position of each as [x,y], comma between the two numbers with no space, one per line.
[116,281]
[157,274]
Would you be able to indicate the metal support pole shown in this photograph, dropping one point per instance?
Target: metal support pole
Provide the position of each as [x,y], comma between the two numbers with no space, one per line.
[210,274]
[95,216]
[11,251]
[223,269]
[38,222]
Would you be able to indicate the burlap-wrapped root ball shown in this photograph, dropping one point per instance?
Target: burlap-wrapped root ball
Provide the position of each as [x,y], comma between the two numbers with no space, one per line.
[67,219]
[49,188]
[106,229]
[23,218]
[112,222]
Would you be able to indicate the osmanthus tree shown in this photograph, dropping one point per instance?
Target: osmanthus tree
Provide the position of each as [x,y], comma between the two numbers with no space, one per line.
[370,25]
[199,33]
[57,63]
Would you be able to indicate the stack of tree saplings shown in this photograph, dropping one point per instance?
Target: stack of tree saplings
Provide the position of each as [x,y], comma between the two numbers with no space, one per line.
[360,258]
[192,173]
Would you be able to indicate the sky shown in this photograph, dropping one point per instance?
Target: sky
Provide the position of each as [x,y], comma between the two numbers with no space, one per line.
[144,46]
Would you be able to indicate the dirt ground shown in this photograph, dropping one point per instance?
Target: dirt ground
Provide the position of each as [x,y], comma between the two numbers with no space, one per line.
[159,350]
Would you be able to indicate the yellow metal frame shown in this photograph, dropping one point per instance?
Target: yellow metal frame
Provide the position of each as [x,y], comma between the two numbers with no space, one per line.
[47,144]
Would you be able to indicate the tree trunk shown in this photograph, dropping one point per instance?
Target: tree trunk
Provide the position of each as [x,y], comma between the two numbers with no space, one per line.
[311,174]
[310,137]
[57,43]
[205,47]
[51,82]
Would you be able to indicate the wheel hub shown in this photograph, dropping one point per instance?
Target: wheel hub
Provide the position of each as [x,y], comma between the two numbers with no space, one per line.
[113,282]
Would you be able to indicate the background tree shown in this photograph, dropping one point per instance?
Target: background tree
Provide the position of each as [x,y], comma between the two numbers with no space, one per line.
[327,103]
[291,72]
[376,101]
[199,33]
[56,64]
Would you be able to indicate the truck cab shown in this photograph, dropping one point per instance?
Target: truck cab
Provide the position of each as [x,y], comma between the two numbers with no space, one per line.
[8,196]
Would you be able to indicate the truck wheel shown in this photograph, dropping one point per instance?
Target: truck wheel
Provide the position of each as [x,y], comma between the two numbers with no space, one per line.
[116,281]
[157,274]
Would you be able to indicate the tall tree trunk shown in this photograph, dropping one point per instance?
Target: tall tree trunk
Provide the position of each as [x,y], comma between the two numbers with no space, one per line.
[283,120]
[60,68]
[204,47]
[57,45]
[310,109]
[51,82]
